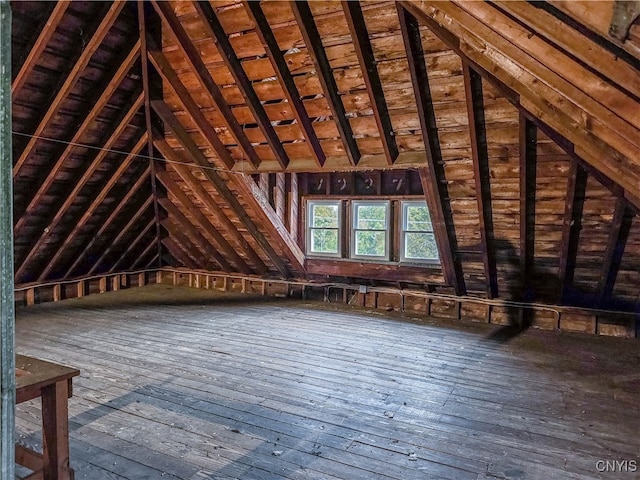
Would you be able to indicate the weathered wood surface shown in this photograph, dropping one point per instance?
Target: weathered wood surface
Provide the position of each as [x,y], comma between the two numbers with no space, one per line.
[188,384]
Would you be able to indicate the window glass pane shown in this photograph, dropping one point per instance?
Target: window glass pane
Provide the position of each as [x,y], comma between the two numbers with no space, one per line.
[324,216]
[371,243]
[418,218]
[371,217]
[420,246]
[324,241]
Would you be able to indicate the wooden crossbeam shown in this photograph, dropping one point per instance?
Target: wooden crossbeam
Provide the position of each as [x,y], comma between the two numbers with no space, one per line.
[90,48]
[576,187]
[132,245]
[313,41]
[121,234]
[618,235]
[70,197]
[279,64]
[208,253]
[201,194]
[229,197]
[144,176]
[203,222]
[478,135]
[95,203]
[151,246]
[432,174]
[214,29]
[528,144]
[209,87]
[170,76]
[364,52]
[40,44]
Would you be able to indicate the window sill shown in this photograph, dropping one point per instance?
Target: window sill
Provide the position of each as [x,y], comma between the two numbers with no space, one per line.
[376,270]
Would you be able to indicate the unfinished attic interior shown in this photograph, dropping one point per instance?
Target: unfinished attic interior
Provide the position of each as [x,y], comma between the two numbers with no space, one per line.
[320,240]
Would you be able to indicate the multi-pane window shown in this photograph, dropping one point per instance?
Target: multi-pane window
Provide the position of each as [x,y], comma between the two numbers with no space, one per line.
[323,228]
[418,241]
[370,230]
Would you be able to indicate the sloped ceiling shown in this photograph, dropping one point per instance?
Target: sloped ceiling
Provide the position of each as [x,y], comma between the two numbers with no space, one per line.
[193,144]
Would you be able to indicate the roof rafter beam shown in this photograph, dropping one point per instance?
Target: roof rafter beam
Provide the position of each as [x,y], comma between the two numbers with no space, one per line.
[176,250]
[431,175]
[528,144]
[132,245]
[98,199]
[364,52]
[123,231]
[199,69]
[478,134]
[313,41]
[90,48]
[203,222]
[70,197]
[109,220]
[216,32]
[199,191]
[143,255]
[88,121]
[618,235]
[167,72]
[228,196]
[207,253]
[279,64]
[576,188]
[40,44]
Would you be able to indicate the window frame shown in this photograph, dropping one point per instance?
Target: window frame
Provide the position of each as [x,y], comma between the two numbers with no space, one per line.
[310,228]
[353,230]
[403,220]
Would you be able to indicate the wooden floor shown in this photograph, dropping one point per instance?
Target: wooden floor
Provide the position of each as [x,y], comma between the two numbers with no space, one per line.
[181,383]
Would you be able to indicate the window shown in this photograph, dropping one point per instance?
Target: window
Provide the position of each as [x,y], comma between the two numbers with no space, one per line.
[323,232]
[370,230]
[417,242]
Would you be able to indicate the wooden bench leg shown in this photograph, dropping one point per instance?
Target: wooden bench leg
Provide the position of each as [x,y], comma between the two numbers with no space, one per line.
[55,432]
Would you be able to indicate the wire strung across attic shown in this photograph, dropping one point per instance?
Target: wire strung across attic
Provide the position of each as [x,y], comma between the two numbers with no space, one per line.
[122,152]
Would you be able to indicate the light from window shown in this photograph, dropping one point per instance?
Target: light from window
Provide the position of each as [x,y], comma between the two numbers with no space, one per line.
[418,240]
[370,229]
[324,228]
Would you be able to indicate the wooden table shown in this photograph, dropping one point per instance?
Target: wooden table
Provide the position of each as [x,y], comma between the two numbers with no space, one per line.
[37,378]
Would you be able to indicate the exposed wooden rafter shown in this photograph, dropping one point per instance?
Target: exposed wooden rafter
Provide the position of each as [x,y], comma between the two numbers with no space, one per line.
[199,191]
[131,224]
[76,188]
[89,212]
[209,87]
[144,20]
[89,49]
[528,155]
[40,44]
[154,259]
[313,41]
[431,174]
[214,29]
[132,245]
[124,201]
[203,222]
[479,152]
[227,195]
[618,235]
[576,188]
[279,64]
[206,252]
[177,250]
[364,52]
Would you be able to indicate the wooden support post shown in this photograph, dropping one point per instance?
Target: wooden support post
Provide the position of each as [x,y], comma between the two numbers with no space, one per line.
[57,292]
[142,279]
[225,283]
[81,287]
[159,277]
[30,297]
[103,284]
[115,283]
[7,305]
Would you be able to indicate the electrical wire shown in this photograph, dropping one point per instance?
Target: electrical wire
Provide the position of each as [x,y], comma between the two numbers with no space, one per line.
[122,152]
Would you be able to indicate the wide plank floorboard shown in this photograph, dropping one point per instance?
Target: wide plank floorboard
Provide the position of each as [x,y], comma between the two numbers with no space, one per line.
[190,384]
